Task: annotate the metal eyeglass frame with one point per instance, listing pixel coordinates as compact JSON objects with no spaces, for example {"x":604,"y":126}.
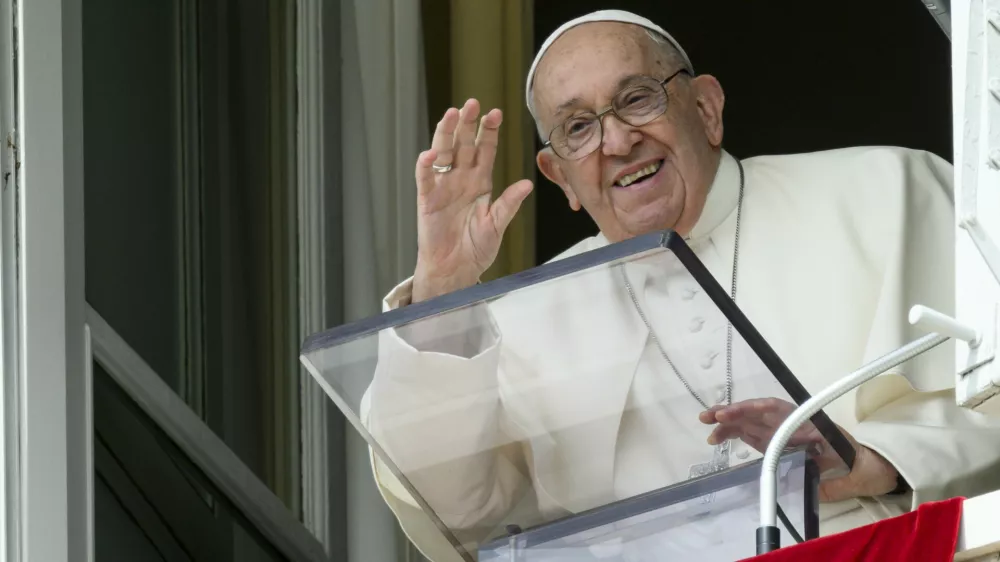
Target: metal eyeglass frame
{"x":599,"y":117}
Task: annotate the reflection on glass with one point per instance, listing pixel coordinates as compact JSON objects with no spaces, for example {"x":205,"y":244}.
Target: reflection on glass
{"x":705,"y":519}
{"x":491,"y":407}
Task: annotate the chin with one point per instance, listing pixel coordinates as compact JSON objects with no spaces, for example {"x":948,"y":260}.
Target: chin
{"x":653,"y":220}
{"x":660,"y":211}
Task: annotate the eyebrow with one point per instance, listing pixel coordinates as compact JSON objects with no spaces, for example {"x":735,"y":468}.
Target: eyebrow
{"x":622,"y":83}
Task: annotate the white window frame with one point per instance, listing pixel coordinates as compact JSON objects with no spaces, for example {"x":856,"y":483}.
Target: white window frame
{"x":48,"y":464}
{"x":8,"y":292}
{"x":975,"y":35}
{"x":45,"y":353}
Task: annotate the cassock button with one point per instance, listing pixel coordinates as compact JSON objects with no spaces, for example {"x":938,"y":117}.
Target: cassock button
{"x":696,"y":325}
{"x":720,"y":396}
{"x":709,"y":360}
{"x":742,"y":454}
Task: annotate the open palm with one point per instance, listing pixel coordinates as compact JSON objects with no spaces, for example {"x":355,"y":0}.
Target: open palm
{"x":459,"y":225}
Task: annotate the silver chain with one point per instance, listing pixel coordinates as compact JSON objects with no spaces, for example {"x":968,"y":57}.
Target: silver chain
{"x":729,"y":327}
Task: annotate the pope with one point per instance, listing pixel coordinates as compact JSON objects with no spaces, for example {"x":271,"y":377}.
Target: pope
{"x":824,"y":252}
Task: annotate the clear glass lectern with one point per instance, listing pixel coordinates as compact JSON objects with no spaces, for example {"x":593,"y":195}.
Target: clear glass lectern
{"x":559,"y":413}
{"x":707,"y":518}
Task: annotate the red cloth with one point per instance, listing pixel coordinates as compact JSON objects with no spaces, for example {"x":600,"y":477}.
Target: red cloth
{"x":929,"y":534}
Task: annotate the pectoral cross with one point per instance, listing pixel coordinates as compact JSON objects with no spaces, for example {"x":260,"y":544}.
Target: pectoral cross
{"x":719,"y":462}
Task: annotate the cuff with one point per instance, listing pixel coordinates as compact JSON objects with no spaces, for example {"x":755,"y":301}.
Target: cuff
{"x":399,"y":296}
{"x":466,"y":333}
{"x":940,"y":449}
{"x":879,"y":438}
{"x":902,"y":486}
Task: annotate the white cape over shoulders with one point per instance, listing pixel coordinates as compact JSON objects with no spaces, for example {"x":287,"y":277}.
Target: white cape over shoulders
{"x":834,"y":248}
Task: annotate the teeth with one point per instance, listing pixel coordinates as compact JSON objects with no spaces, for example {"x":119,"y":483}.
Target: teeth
{"x":625,"y":181}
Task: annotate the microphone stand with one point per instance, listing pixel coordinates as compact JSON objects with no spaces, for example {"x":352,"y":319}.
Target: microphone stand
{"x":768,"y":534}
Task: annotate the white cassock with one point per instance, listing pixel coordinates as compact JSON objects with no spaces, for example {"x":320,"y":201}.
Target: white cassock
{"x":561,"y":389}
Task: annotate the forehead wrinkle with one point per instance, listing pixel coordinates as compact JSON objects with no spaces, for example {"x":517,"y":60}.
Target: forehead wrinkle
{"x":630,"y":41}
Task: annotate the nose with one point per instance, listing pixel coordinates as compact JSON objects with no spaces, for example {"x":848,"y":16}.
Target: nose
{"x":619,"y":137}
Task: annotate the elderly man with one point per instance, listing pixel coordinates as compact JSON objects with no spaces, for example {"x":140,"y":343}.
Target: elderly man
{"x":831,"y":249}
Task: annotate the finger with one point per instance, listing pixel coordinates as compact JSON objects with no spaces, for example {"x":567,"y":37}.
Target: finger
{"x":764,"y":420}
{"x":724,"y":433}
{"x":709,"y":415}
{"x":424,"y":172}
{"x":808,"y":434}
{"x":505,"y":207}
{"x":740,"y":431}
{"x":774,"y":419}
{"x":736,"y":413}
{"x":464,"y":144}
{"x":444,"y":137}
{"x":487,"y":141}
{"x":772,"y":405}
{"x":757,"y":409}
{"x":773,"y":416}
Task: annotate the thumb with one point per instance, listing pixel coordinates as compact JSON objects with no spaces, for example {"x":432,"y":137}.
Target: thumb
{"x":506,"y":206}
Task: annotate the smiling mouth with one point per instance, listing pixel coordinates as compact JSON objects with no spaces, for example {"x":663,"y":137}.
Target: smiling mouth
{"x":640,"y":175}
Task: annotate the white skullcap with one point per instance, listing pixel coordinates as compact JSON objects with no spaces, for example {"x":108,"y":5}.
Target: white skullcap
{"x":601,"y":15}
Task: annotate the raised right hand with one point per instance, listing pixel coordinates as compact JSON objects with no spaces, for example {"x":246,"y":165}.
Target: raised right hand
{"x":459,"y":226}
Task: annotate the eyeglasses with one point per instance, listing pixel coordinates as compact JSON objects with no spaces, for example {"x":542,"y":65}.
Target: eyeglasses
{"x":636,"y":105}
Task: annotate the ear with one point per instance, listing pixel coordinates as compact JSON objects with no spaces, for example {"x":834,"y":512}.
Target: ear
{"x":711,"y":100}
{"x":551,"y":167}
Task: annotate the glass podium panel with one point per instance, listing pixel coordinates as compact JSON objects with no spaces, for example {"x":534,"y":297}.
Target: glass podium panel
{"x":713,"y":518}
{"x":547,"y":394}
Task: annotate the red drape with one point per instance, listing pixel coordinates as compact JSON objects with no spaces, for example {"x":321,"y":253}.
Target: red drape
{"x":928,"y":534}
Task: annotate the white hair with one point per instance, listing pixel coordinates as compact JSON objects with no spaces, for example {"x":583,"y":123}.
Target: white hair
{"x":666,"y":48}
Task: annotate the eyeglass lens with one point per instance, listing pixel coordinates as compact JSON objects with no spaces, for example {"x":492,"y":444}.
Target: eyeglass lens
{"x":635,"y":105}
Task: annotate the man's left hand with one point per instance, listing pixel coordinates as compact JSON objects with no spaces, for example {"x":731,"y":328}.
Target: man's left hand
{"x":755,"y":422}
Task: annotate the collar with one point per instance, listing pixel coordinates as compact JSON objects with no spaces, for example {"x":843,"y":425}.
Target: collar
{"x":723,"y":196}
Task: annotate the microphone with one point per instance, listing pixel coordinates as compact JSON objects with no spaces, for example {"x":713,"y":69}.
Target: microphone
{"x":768,"y":534}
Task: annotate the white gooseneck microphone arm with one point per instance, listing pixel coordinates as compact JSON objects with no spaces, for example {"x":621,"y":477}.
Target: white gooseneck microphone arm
{"x":768,"y":533}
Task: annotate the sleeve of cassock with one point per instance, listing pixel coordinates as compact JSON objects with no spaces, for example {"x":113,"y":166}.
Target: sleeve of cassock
{"x":941,"y":449}
{"x":434,"y":407}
